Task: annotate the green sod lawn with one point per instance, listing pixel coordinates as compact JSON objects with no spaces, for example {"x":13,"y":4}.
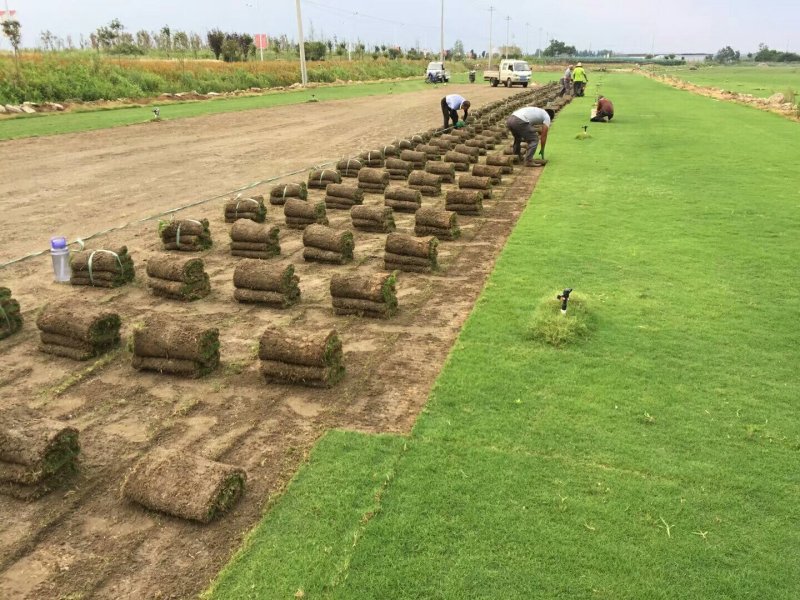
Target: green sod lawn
{"x":71,"y":122}
{"x":758,"y":81}
{"x":656,"y":458}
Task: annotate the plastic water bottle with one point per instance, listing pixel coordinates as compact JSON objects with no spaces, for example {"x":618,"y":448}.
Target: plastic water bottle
{"x":60,"y":255}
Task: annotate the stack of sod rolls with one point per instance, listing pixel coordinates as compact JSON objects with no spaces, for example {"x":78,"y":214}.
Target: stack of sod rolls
{"x":374,"y":219}
{"x":506,"y":163}
{"x":280,"y":193}
{"x":313,"y":359}
{"x":364,"y":295}
{"x":445,"y":170}
{"x":402,"y":199}
{"x":431,"y":152}
{"x":464,"y":202}
{"x":398,"y":169}
{"x":471,"y":182}
{"x":245,"y":208}
{"x":102,"y":268}
{"x":460,"y":161}
{"x":473,"y":153}
{"x":372,"y":158}
{"x":407,"y":253}
{"x":417,"y":159}
{"x":10,"y":317}
{"x":349,"y":167}
{"x":300,"y":213}
{"x":339,"y":195}
{"x":188,"y":235}
{"x":419,"y":138}
{"x":177,"y":347}
{"x":373,"y":181}
{"x":495,"y":174}
{"x":489,"y":141}
{"x":390,"y":150}
{"x":254,"y":240}
{"x":264,"y":283}
{"x":178,"y":278}
{"x":327,"y":245}
{"x":479,"y":144}
{"x":443,"y":224}
{"x":184,"y":485}
{"x":35,"y":455}
{"x":403,"y":145}
{"x":443,"y":144}
{"x":320,"y":178}
{"x":77,"y":332}
{"x":426,"y":183}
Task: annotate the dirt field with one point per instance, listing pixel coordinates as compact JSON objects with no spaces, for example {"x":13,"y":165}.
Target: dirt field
{"x":84,"y":540}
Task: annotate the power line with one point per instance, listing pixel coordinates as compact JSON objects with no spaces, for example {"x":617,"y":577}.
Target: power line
{"x":361,"y":15}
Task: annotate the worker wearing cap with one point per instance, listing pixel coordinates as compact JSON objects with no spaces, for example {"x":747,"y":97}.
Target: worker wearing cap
{"x":579,"y":79}
{"x":522,"y":125}
{"x":450,"y":105}
{"x":566,"y":81}
{"x":605,"y":110}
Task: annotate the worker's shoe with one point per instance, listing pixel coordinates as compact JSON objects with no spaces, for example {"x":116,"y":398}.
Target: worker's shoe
{"x":536,"y":162}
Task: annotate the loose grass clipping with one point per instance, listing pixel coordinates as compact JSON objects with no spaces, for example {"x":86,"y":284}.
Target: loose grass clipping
{"x":184,"y":485}
{"x":548,"y":325}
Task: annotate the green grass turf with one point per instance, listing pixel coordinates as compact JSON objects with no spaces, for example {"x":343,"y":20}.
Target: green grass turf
{"x":71,"y":122}
{"x":758,"y":81}
{"x":655,"y":459}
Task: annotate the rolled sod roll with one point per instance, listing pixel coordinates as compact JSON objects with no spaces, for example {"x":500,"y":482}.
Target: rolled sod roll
{"x":403,"y":145}
{"x":372,"y":188}
{"x":374,"y":176}
{"x":259,"y":254}
{"x":349,"y":167}
{"x":320,"y":178}
{"x":251,"y":236}
{"x":471,"y":182}
{"x":257,"y":275}
{"x":442,"y":144}
{"x":178,"y":278}
{"x":464,"y":202}
{"x":419,"y":138}
{"x":431,"y":152}
{"x":371,"y":295}
{"x":403,"y":199}
{"x":476,"y":143}
{"x":506,"y":163}
{"x":445,"y":170}
{"x":460,"y":161}
{"x":398,"y":168}
{"x":32,"y":451}
{"x":184,"y":485}
{"x":372,"y":155}
{"x":279,"y":193}
{"x":349,"y":192}
{"x":418,"y":159}
{"x":101,"y":268}
{"x":187,"y":235}
{"x":442,"y":224}
{"x":93,"y":331}
{"x":426,"y":183}
{"x":390,"y":150}
{"x":494,"y":174}
{"x":299,"y":213}
{"x":334,"y":244}
{"x":180,"y":348}
{"x":252,"y":208}
{"x":375,"y":219}
{"x":424,"y":249}
{"x":473,"y":153}
{"x":10,"y":316}
{"x":305,"y":358}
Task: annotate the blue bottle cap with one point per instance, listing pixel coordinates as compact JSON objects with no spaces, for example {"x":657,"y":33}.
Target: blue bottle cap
{"x":58,"y":243}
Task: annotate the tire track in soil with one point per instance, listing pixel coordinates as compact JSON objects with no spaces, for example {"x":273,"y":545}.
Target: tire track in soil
{"x":87,"y":540}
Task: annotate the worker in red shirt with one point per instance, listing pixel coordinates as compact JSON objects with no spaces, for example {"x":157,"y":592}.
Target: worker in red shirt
{"x":605,"y":110}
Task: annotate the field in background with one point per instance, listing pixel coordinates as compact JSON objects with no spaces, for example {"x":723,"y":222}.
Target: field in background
{"x":655,"y":459}
{"x":758,"y":81}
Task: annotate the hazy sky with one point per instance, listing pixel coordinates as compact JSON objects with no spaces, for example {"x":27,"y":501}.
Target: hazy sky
{"x":679,"y":26}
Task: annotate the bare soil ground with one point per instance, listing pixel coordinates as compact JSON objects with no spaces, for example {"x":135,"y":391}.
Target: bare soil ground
{"x":84,"y":540}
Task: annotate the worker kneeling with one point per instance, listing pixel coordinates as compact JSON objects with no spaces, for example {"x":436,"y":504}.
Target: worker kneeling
{"x":605,"y":110}
{"x":522,"y":125}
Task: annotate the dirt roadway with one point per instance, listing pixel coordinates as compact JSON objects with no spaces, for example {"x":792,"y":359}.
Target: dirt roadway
{"x":84,"y":541}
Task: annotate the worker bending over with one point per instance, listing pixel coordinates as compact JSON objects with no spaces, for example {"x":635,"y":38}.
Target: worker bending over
{"x":450,"y":105}
{"x":605,"y":110}
{"x":522,"y":125}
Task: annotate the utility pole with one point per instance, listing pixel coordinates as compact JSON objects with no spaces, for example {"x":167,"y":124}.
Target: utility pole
{"x":508,"y":27}
{"x":441,"y":39}
{"x":303,"y":72}
{"x":540,"y":42}
{"x":491,"y":14}
{"x":527,"y":35}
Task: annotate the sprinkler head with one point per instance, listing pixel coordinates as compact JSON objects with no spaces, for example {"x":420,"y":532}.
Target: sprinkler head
{"x":564,"y":297}
{"x":156,"y":112}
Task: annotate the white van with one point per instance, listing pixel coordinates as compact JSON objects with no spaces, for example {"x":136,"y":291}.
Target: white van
{"x":511,"y":72}
{"x":436,"y":73}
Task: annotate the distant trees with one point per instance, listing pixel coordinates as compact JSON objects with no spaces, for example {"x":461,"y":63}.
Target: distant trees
{"x":765,"y":54}
{"x":315,"y":50}
{"x":727,"y":55}
{"x":559,"y":48}
{"x":13,"y":31}
{"x":457,"y":52}
{"x":215,"y":39}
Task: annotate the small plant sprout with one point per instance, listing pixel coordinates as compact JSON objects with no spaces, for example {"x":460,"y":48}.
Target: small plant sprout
{"x":564,"y":297}
{"x":701,"y":534}
{"x":666,"y":526}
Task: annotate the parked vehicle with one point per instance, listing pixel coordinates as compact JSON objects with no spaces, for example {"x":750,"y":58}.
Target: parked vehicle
{"x":510,"y":72}
{"x":436,"y":73}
